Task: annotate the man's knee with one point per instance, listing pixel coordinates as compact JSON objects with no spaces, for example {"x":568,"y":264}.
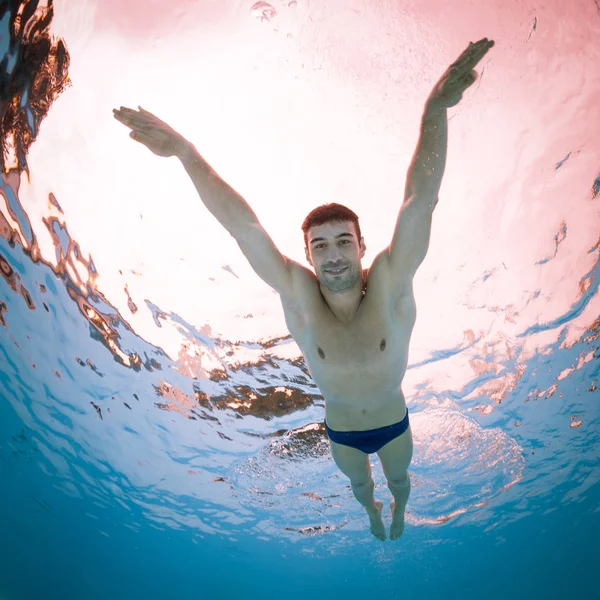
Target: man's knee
{"x":361,"y":482}
{"x":400,"y":482}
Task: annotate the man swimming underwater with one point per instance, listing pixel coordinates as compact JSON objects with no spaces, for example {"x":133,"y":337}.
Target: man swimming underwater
{"x":352,"y":325}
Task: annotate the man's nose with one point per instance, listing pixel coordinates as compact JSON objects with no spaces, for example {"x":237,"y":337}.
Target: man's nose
{"x":334,"y":254}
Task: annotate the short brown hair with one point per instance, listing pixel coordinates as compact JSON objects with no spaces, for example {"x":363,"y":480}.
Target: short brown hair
{"x":327,"y":213}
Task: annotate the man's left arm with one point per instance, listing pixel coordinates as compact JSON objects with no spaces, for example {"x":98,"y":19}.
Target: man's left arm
{"x":410,"y":241}
{"x":426,"y":170}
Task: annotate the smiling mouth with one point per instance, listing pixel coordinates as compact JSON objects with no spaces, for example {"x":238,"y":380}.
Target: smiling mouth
{"x":336,"y":271}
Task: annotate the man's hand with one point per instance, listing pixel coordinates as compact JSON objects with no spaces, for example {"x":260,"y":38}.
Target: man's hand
{"x":152,"y":132}
{"x":460,"y":75}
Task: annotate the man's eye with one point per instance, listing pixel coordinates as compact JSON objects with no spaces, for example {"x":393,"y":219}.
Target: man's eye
{"x":343,"y":242}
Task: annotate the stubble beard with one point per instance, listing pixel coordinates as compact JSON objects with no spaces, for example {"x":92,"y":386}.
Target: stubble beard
{"x":339,"y":283}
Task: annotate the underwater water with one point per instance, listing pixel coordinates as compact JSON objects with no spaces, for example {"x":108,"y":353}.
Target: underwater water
{"x":160,"y":434}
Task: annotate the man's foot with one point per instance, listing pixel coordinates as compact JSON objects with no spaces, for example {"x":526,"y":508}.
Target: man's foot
{"x":377,"y":526}
{"x":397,"y":527}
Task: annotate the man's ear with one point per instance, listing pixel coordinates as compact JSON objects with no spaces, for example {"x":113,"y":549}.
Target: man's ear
{"x":307,"y":255}
{"x":363,"y":247}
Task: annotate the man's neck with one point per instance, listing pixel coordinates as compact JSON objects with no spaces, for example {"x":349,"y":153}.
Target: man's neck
{"x":345,"y":306}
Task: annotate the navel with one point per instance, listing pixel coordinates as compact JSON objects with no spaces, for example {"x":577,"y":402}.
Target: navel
{"x":382,"y":345}
{"x":321,"y":353}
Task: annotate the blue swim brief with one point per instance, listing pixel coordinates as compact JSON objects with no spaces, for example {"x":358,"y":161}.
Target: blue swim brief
{"x":371,"y":440}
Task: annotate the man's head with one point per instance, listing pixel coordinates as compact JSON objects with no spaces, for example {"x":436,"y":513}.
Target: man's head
{"x":332,"y":239}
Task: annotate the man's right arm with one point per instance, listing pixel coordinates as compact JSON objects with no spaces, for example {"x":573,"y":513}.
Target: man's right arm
{"x":236,"y":215}
{"x":226,"y":205}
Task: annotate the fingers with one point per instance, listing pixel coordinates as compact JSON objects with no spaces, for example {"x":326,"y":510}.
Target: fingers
{"x":144,"y":111}
{"x":134,"y":113}
{"x":470,"y":58}
{"x":124,"y":115}
{"x":131,"y":113}
{"x":139,"y":121}
{"x":132,"y":118}
{"x":473,"y":54}
{"x":141,"y":137}
{"x":123,"y":118}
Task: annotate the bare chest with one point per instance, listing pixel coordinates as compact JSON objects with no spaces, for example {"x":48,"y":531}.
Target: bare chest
{"x":358,"y":366}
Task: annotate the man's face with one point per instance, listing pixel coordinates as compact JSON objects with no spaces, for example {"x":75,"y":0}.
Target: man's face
{"x":334,"y":246}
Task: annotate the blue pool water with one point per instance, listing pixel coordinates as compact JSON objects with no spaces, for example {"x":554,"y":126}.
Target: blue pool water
{"x":133,"y":470}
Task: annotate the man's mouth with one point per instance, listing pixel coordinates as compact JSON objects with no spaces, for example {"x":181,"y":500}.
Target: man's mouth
{"x":336,"y":271}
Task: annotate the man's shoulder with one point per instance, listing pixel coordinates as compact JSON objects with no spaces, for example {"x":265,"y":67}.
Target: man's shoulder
{"x":306,"y":295}
{"x":304,"y":290}
{"x":383,"y":281}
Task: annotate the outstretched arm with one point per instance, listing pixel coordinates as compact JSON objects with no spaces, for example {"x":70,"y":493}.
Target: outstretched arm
{"x":426,"y":170}
{"x":413,"y":227}
{"x":227,"y":206}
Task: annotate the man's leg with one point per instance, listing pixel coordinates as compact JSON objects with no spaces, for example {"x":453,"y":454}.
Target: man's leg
{"x":355,"y":465}
{"x":395,"y":458}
